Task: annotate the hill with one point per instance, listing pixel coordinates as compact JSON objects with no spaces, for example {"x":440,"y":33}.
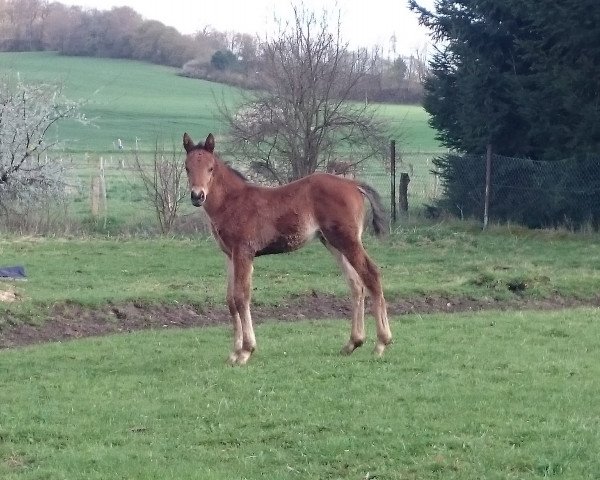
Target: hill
{"x":124,"y":99}
{"x":134,"y":100}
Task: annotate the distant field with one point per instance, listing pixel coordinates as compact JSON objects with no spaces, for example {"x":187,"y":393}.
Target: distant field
{"x":124,"y":99}
{"x":128,"y":99}
{"x":143,"y":104}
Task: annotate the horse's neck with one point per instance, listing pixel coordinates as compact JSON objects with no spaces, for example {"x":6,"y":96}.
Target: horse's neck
{"x":225,"y":185}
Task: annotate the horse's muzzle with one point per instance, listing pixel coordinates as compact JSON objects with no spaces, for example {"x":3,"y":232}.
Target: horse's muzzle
{"x":198,"y":198}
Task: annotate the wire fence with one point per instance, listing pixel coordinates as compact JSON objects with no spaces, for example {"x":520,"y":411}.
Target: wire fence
{"x":427,"y":184}
{"x":533,"y":193}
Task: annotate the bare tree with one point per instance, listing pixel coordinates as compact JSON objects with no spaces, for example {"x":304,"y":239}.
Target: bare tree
{"x":29,"y":168}
{"x":302,"y":119}
{"x":164,"y":184}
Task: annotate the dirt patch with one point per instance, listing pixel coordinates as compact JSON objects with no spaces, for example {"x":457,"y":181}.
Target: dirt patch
{"x":69,"y":321}
{"x":8,"y":296}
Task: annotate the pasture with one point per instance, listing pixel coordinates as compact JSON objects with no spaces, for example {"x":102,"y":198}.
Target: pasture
{"x":148,"y":105}
{"x":496,"y":394}
{"x":508,"y":392}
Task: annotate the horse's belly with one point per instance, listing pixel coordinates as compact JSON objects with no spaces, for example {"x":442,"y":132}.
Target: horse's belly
{"x":283,"y":244}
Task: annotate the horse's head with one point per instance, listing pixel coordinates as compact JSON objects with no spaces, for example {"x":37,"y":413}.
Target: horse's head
{"x":200,"y":165}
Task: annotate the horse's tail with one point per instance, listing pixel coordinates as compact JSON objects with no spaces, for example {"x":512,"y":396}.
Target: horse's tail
{"x":381,"y":224}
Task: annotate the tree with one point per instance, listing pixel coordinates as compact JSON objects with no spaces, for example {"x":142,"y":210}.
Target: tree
{"x":472,"y":92}
{"x":563,"y":103}
{"x":28,"y":169}
{"x":509,"y":78}
{"x":21,"y":23}
{"x":302,"y":118}
{"x":224,"y":60}
{"x":508,"y":73}
{"x":164,"y":184}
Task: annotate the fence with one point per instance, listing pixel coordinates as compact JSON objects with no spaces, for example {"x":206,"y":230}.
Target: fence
{"x":533,"y":193}
{"x":414,"y":183}
{"x":489,"y":187}
{"x":407,"y":181}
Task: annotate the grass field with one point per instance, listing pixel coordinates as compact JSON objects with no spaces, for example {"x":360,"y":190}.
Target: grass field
{"x":143,"y":104}
{"x":127,"y":99}
{"x":487,"y":395}
{"x":123,"y":99}
{"x":445,"y":259}
{"x":494,"y":395}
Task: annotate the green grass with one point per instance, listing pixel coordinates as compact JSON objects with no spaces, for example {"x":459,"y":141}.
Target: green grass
{"x":409,"y":126}
{"x":494,"y":395}
{"x":489,"y":395}
{"x":124,"y":99}
{"x":447,"y":260}
{"x":130,"y":100}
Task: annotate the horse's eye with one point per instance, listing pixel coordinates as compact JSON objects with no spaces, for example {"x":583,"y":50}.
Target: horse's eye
{"x":211,"y":169}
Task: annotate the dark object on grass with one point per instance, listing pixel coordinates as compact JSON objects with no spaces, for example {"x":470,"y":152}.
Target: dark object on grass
{"x":13,"y":273}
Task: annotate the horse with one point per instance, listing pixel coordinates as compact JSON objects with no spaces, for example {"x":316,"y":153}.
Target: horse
{"x":249,"y":220}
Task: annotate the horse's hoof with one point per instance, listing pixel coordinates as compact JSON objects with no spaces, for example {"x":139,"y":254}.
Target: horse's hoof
{"x":379,"y":349}
{"x":348,"y":349}
{"x":243,"y":357}
{"x":232,"y":358}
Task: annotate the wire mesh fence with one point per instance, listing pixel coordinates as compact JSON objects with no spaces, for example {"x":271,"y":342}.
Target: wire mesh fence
{"x":419,"y":184}
{"x":532,"y":193}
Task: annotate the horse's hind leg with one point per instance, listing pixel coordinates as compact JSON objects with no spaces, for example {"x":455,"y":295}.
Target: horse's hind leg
{"x":236,"y":322}
{"x":357,"y":290}
{"x":351,"y":248}
{"x":370,"y":276}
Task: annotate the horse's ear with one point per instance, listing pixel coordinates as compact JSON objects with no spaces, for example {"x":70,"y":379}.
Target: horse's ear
{"x":188,"y":143}
{"x":209,"y":145}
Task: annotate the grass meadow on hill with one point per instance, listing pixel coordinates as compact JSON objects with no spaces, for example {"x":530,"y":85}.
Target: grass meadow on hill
{"x":123,"y":99}
{"x":145,"y":105}
{"x":128,"y":99}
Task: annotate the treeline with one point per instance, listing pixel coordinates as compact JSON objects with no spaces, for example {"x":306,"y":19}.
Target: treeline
{"x":35,"y":25}
{"x":232,"y":58}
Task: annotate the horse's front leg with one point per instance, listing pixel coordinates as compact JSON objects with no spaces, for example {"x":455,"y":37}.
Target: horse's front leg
{"x":242,"y":286}
{"x":235,"y":315}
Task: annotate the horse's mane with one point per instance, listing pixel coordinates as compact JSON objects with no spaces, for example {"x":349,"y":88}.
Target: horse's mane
{"x":236,"y":172}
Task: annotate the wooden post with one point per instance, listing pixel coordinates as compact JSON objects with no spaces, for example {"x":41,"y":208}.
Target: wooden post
{"x":403,"y":192}
{"x":95,"y":195}
{"x":488,"y":178}
{"x":103,"y":191}
{"x":98,"y":193}
{"x":393,"y":178}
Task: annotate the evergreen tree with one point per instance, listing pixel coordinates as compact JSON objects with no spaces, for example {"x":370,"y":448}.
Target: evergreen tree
{"x":563,"y":90}
{"x":472,"y":92}
{"x":521,"y":76}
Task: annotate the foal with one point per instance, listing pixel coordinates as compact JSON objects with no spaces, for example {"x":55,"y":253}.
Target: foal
{"x":249,"y":220}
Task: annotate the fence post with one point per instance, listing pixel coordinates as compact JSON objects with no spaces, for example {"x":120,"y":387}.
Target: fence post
{"x":488,"y":177}
{"x":403,"y":192}
{"x":393,"y":179}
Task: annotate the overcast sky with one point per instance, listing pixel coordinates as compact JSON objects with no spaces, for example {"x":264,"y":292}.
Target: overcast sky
{"x":365,"y":23}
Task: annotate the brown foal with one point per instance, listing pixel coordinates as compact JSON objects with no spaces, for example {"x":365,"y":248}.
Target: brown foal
{"x":249,"y":220}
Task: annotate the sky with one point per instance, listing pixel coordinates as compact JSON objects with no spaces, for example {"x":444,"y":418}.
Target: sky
{"x":364,"y":23}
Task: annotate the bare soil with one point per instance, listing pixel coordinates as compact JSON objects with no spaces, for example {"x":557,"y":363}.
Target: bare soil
{"x":70,"y":321}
